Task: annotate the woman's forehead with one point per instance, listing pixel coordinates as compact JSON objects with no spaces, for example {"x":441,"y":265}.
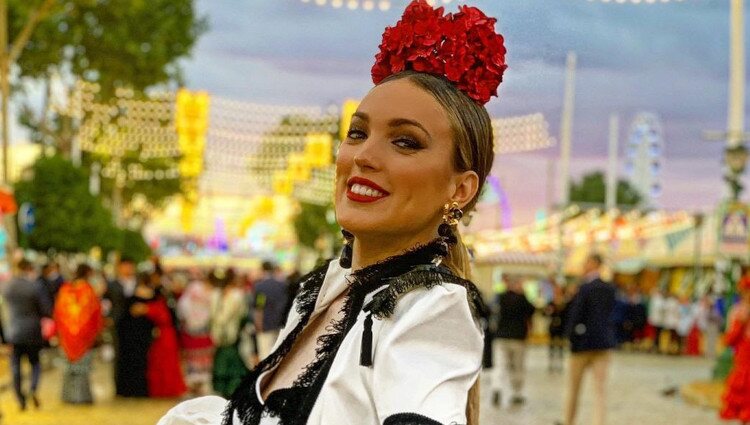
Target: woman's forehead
{"x":402,"y":99}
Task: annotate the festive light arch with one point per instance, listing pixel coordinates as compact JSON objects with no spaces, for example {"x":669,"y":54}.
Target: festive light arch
{"x":369,"y":5}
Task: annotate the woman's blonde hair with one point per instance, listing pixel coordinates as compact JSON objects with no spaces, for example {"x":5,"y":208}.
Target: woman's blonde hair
{"x":474,"y":150}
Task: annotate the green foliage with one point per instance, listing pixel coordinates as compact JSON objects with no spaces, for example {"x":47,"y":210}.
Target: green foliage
{"x":116,"y":43}
{"x":68,"y":218}
{"x":312,"y":223}
{"x":592,"y":189}
{"x":134,"y":246}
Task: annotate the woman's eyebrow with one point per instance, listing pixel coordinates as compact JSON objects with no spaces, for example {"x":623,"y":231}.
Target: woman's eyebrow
{"x":396,"y":122}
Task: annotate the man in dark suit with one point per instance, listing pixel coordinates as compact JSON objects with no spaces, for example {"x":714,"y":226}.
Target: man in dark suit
{"x":592,"y":337}
{"x":27,"y":302}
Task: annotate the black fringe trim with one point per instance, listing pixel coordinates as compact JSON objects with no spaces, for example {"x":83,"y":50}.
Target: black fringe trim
{"x":293,"y":405}
{"x":427,"y":276}
{"x":409,"y":419}
{"x":243,"y":400}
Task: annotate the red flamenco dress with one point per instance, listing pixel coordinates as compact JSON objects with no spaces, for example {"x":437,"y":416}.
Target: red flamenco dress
{"x":164,"y":374}
{"x":736,"y":399}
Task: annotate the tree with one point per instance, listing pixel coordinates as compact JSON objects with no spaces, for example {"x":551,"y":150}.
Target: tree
{"x":592,"y":189}
{"x":312,"y":223}
{"x":67,"y":217}
{"x":117,"y":44}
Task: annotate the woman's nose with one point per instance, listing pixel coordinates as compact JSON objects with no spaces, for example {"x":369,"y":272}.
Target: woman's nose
{"x":368,"y":155}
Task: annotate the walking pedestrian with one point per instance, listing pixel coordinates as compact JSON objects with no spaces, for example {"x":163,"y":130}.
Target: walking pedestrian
{"x":592,"y":337}
{"x":28,"y":303}
{"x":513,"y":323}
{"x":270,"y":308}
{"x":736,"y":398}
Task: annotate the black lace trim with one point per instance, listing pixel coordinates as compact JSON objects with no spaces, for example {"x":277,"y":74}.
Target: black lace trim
{"x":409,"y":419}
{"x":427,"y":276}
{"x":244,"y":400}
{"x":293,"y":406}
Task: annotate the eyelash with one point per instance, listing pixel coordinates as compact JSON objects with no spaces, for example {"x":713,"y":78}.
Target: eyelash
{"x":401,"y":142}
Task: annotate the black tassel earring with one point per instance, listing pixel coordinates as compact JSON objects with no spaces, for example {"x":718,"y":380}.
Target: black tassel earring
{"x":451,"y":216}
{"x":345,"y":260}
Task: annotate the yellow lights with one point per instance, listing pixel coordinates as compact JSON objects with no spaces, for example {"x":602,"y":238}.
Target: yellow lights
{"x":347,"y":110}
{"x":318,"y":149}
{"x":191,"y":123}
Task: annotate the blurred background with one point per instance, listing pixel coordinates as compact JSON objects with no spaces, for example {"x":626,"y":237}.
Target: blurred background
{"x":195,"y":139}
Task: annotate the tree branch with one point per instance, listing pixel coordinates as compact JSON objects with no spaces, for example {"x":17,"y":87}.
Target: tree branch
{"x":23,"y":37}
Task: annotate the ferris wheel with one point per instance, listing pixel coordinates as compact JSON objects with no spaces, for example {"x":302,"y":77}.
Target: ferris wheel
{"x":644,"y":155}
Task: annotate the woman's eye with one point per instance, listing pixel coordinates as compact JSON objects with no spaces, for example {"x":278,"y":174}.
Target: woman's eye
{"x":356,"y":134}
{"x":407,"y":143}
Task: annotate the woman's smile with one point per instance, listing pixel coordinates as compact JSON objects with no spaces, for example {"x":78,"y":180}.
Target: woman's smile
{"x":362,"y":190}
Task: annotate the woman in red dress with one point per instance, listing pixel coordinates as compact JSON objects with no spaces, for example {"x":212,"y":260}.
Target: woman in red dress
{"x":737,"y":394}
{"x":163,"y":373}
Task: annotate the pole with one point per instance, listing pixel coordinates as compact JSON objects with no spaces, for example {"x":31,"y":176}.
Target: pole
{"x":614,"y":134}
{"x":736,"y":112}
{"x":4,"y":84}
{"x":566,"y":128}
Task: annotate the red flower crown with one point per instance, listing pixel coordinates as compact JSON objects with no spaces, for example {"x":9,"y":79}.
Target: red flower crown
{"x":462,"y":47}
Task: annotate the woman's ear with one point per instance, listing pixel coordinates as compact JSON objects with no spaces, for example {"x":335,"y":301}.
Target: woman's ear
{"x":466,"y":186}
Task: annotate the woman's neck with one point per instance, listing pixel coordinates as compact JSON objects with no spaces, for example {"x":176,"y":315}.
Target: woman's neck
{"x":370,"y":250}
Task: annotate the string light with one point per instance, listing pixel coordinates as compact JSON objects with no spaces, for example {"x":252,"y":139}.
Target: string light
{"x":369,"y":5}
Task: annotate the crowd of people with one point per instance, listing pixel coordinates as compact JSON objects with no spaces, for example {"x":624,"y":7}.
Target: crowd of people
{"x":195,"y":332}
{"x":593,"y":317}
{"x":178,"y":334}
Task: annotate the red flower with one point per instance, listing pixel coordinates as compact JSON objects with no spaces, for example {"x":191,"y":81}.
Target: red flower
{"x":462,"y":47}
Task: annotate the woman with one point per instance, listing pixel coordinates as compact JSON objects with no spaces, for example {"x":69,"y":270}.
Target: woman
{"x":163,"y":371}
{"x":194,"y":311}
{"x":78,"y":316}
{"x":736,"y":397}
{"x":228,"y":318}
{"x":389,"y":334}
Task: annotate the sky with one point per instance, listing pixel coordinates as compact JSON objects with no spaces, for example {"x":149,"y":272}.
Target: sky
{"x":670,"y":59}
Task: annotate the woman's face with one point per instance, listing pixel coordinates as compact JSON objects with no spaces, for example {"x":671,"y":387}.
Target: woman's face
{"x":394,"y":171}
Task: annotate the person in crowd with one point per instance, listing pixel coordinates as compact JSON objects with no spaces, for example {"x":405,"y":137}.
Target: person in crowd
{"x":513,"y":323}
{"x":592,"y":337}
{"x":163,"y":370}
{"x":657,"y":317}
{"x":736,"y":397}
{"x":292,"y":289}
{"x":672,"y":323}
{"x":686,"y":323}
{"x":28,"y":303}
{"x":638,"y":313}
{"x":414,"y":161}
{"x":228,"y":318}
{"x":271,"y":298}
{"x":78,"y":316}
{"x":134,"y":332}
{"x":194,"y":313}
{"x":709,"y":321}
{"x":51,"y":279}
{"x":556,"y":311}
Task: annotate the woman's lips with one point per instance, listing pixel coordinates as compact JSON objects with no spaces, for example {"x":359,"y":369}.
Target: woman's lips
{"x":362,"y":190}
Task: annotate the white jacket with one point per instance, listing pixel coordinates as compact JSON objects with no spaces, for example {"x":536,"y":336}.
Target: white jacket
{"x":426,"y":356}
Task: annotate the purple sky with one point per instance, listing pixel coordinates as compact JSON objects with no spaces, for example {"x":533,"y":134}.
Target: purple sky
{"x":670,"y":59}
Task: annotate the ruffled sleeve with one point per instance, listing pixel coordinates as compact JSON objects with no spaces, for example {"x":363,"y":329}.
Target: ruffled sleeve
{"x":427,"y":356}
{"x":198,"y":411}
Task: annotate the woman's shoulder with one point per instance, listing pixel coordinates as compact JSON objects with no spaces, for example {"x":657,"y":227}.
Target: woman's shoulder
{"x":207,"y":410}
{"x":429,"y":286}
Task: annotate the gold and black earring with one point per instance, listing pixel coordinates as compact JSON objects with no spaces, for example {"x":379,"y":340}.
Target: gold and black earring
{"x":345,"y":260}
{"x":451,"y":216}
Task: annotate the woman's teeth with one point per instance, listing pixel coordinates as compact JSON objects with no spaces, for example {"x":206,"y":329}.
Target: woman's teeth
{"x":366,"y":191}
